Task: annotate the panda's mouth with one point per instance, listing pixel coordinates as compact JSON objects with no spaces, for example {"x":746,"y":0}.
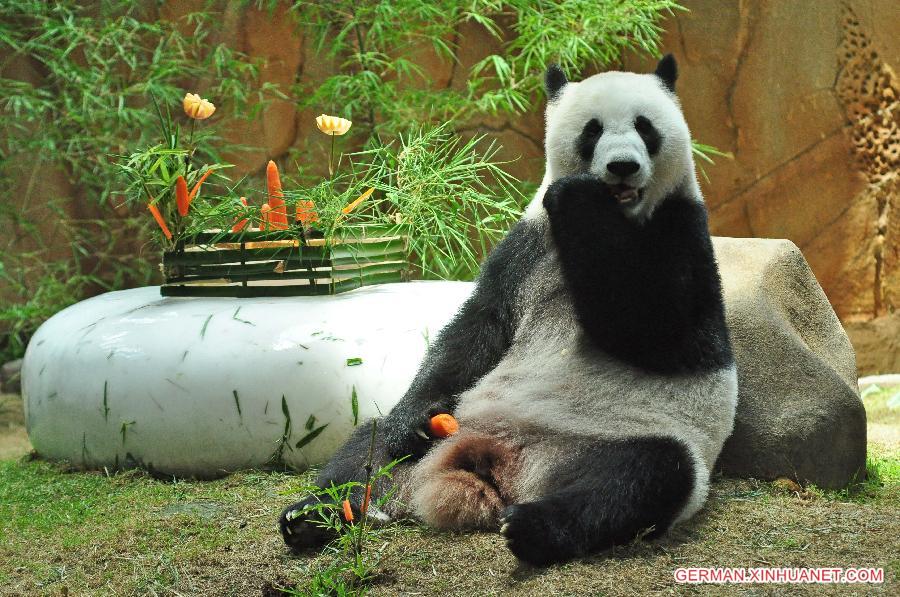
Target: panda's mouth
{"x":626,"y":194}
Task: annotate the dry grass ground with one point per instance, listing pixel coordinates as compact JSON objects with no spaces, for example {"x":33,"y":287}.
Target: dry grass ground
{"x":75,"y":533}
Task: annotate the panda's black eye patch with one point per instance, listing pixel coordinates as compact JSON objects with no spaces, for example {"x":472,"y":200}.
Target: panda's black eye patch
{"x":593,"y":128}
{"x":592,"y":131}
{"x":651,"y":137}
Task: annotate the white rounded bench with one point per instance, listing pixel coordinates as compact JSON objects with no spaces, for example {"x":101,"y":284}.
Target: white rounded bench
{"x":203,"y":386}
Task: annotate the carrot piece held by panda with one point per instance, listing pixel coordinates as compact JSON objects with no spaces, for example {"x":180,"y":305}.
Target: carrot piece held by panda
{"x":442,"y":425}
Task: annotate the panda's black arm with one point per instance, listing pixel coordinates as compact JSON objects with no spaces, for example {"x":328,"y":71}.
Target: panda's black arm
{"x":470,"y":345}
{"x":648,"y":293}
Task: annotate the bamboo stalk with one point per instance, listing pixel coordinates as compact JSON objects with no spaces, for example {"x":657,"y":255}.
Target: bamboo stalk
{"x":238,"y":275}
{"x":238,"y":290}
{"x":311,"y":255}
{"x":362,"y":234}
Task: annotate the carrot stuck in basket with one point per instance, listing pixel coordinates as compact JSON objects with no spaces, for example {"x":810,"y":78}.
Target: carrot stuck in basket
{"x":306,"y":212}
{"x":442,"y":425}
{"x":196,"y":188}
{"x":240,"y":224}
{"x":181,"y":196}
{"x":265,"y":214}
{"x":278,"y":217}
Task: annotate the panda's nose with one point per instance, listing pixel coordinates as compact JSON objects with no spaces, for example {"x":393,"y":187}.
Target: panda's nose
{"x":623,"y":169}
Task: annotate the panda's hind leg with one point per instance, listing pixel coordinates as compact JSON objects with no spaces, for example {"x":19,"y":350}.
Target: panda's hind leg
{"x":608,"y":495}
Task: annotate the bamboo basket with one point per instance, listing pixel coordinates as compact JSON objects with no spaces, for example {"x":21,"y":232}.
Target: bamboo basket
{"x":255,"y":263}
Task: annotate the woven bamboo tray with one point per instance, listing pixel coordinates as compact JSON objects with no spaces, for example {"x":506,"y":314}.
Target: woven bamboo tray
{"x":255,"y":263}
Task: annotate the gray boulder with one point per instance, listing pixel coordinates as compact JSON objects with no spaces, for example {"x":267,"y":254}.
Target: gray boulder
{"x":799,"y":413}
{"x":10,"y":373}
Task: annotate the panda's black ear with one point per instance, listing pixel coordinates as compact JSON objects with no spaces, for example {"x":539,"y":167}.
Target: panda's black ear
{"x":667,"y":70}
{"x":554,"y":81}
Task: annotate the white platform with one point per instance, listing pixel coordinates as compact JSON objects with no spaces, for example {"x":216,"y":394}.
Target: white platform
{"x":194,"y":386}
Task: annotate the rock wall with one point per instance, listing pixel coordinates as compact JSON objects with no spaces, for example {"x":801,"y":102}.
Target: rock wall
{"x":803,"y":94}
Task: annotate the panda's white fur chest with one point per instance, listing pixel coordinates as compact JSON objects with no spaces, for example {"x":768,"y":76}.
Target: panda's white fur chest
{"x":553,"y":383}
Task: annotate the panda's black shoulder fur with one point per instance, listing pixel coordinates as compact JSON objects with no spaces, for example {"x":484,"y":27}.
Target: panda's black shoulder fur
{"x":472,"y":344}
{"x":483,"y":329}
{"x":648,"y":293}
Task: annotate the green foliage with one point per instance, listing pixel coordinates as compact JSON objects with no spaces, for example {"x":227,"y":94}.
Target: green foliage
{"x":882,"y":479}
{"x":451,"y":197}
{"x":576,"y":34}
{"x":96,"y":65}
{"x":99,"y":65}
{"x":57,"y":529}
{"x":454,"y":212}
{"x":150,"y":174}
{"x":705,"y":154}
{"x":882,"y":469}
{"x":375,"y":44}
{"x":56,"y":291}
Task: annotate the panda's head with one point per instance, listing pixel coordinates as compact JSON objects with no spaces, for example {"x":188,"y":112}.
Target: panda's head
{"x":624,"y":128}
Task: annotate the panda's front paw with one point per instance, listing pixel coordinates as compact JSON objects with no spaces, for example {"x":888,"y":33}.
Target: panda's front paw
{"x":576,"y":195}
{"x":406,"y":434}
{"x":302,"y":526}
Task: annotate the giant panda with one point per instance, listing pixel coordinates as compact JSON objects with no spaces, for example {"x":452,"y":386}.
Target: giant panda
{"x":591,"y":370}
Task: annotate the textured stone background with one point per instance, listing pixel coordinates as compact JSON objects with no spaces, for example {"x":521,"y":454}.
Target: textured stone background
{"x":803,"y":93}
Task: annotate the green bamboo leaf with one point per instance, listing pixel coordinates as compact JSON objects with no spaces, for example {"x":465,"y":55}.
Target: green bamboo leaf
{"x":237,"y":402}
{"x":105,"y":403}
{"x":205,"y":324}
{"x":310,"y":436}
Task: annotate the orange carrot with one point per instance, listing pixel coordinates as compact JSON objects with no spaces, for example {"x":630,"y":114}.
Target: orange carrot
{"x":443,"y":425}
{"x":196,"y":188}
{"x":181,"y":196}
{"x":352,"y":205}
{"x":159,"y":219}
{"x":265,"y":212}
{"x":348,"y":512}
{"x":240,"y":224}
{"x":365,"y":504}
{"x":276,"y":196}
{"x":306,"y":212}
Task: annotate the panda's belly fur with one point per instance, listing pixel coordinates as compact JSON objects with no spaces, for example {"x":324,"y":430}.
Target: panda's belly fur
{"x":553,"y":395}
